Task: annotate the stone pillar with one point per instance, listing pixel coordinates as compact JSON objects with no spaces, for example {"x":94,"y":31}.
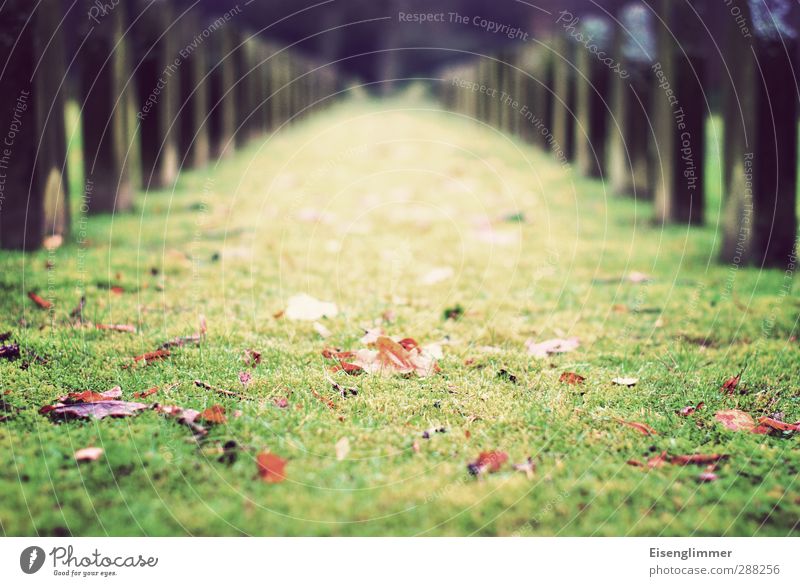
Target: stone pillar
{"x":33,"y":186}
{"x":679,"y":113}
{"x":222,"y":77}
{"x":629,"y":151}
{"x":157,"y":71}
{"x":592,"y":102}
{"x":760,"y":153}
{"x":193,"y":136}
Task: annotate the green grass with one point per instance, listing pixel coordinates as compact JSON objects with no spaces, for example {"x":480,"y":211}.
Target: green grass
{"x":403,"y":184}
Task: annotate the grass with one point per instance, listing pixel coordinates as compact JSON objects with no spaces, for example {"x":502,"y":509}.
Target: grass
{"x":399,"y":187}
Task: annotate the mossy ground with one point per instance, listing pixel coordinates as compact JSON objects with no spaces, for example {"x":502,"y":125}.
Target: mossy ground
{"x":397,"y":189}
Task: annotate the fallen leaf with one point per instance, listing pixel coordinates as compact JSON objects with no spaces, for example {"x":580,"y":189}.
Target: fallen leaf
{"x":637,"y":277}
{"x":390,"y":357}
{"x":487,"y":462}
{"x":252,"y":358}
{"x":150,"y":357}
{"x":453,"y":313}
{"x":735,"y":420}
{"x":625,"y":382}
{"x":92,"y":396}
{"x":642,"y":428}
{"x":548,"y":347}
{"x":9,"y":352}
{"x":306,"y":308}
{"x":185,"y":417}
{"x":5,"y":336}
{"x":271,"y":467}
{"x":98,"y":410}
{"x":41,"y":303}
{"x":147,"y":393}
{"x":571,"y":378}
{"x":245,"y":378}
{"x":281,"y":402}
{"x":688,"y":410}
{"x":779,"y":425}
{"x":117,"y":327}
{"x":729,"y":386}
{"x":214,"y":415}
{"x":699,"y":459}
{"x":708,"y":474}
{"x":342,"y":448}
{"x":88,"y":454}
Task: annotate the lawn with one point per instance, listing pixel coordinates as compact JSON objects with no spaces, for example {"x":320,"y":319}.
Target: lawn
{"x":397,"y":212}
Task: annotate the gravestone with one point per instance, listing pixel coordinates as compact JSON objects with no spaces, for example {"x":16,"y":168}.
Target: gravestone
{"x":33,"y":185}
{"x":679,"y":112}
{"x":760,"y":149}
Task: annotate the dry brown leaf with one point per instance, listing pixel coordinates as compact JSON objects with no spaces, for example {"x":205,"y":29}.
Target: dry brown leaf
{"x":271,"y":467}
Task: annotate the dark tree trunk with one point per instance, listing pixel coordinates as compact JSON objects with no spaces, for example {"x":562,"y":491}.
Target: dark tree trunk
{"x":193,"y":135}
{"x":33,"y":186}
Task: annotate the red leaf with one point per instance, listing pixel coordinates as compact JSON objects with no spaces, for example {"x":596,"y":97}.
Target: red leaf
{"x":252,"y":358}
{"x":487,"y":462}
{"x":214,"y":414}
{"x":640,"y":427}
{"x":688,"y":410}
{"x":699,"y":459}
{"x":735,"y":420}
{"x":42,"y":303}
{"x":571,"y":378}
{"x":729,"y":386}
{"x":147,"y":393}
{"x":149,"y":357}
{"x":779,"y":425}
{"x":271,"y":467}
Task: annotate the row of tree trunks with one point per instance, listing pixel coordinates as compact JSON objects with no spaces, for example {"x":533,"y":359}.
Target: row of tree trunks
{"x":33,"y":185}
{"x":627,"y":102}
{"x":159,"y":88}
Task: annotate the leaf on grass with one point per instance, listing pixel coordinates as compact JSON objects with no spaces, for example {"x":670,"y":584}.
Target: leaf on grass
{"x":271,"y":467}
{"x":453,"y":313}
{"x":548,"y":347}
{"x":252,"y":358}
{"x":625,"y":381}
{"x":245,"y":378}
{"x":487,"y":462}
{"x":147,"y":393}
{"x":571,"y":378}
{"x":778,"y":425}
{"x":735,"y":420}
{"x":388,"y":357}
{"x":5,"y":336}
{"x":150,"y":357}
{"x":88,"y":454}
{"x":342,"y":448}
{"x":729,"y":386}
{"x":698,"y":459}
{"x":117,"y":327}
{"x":98,"y":410}
{"x":689,"y":409}
{"x":281,"y":402}
{"x":10,"y":351}
{"x":642,"y":428}
{"x":637,"y":277}
{"x":341,"y":389}
{"x":185,"y":417}
{"x":214,"y":415}
{"x":41,"y":303}
{"x":306,"y":308}
{"x":92,"y":396}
